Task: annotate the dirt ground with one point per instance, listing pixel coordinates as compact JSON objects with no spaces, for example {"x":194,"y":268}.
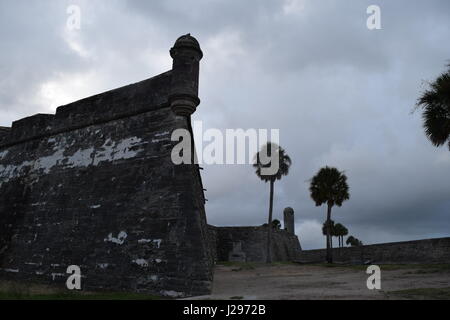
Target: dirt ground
{"x":285,"y":281}
{"x":296,"y":281}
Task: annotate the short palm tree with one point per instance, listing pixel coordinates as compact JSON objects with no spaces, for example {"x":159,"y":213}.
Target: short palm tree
{"x":276,"y":224}
{"x":332,"y":231}
{"x":329,"y":186}
{"x":350,"y":241}
{"x":354,"y":242}
{"x":337,"y":233}
{"x":343,"y":234}
{"x":271,"y":151}
{"x":435,"y":103}
{"x":340,"y":231}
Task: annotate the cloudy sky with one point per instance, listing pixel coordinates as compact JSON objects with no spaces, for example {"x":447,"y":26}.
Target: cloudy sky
{"x":342,"y":95}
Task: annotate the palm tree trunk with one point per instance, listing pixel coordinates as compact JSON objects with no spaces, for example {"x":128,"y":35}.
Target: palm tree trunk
{"x":329,"y":253}
{"x":269,"y":230}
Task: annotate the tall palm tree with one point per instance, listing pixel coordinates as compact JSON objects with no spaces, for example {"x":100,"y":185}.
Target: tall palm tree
{"x":271,"y":151}
{"x":435,"y":103}
{"x":329,"y":186}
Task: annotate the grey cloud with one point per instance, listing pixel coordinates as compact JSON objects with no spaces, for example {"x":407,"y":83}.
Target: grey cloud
{"x":340,"y":94}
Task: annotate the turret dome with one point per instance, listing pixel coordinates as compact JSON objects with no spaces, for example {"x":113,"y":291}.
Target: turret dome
{"x":186,"y":42}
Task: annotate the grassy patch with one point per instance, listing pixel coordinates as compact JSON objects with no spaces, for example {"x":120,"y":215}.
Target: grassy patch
{"x":78,"y":296}
{"x":417,"y":268}
{"x":340,"y":265}
{"x":19,"y":291}
{"x":422,"y":294}
{"x":430,"y":268}
{"x":252,"y":265}
{"x":284,"y":263}
{"x":239,"y":265}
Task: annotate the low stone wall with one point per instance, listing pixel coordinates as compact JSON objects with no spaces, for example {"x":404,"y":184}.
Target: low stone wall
{"x":252,"y":243}
{"x":418,"y":251}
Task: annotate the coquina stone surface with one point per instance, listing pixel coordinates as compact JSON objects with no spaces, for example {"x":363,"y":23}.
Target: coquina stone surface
{"x":94,"y":186}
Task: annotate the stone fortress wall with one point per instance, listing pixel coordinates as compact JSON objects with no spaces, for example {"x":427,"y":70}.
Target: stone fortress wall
{"x":94,"y":186}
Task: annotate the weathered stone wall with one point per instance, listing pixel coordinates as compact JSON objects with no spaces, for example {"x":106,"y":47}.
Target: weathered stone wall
{"x":94,"y":186}
{"x":285,"y":246}
{"x":419,"y":251}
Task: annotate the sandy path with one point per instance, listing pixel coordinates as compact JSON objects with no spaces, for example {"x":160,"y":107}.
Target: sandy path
{"x":316,"y":282}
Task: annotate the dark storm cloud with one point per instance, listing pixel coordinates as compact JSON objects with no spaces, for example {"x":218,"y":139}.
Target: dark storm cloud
{"x":340,"y":94}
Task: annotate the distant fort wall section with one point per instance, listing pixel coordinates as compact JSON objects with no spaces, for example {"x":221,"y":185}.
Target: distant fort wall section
{"x":249,"y":244}
{"x":418,"y":251}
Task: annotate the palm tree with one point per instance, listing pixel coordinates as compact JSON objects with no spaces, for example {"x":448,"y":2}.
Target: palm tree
{"x":435,"y":103}
{"x":343,"y":234}
{"x":354,"y":242}
{"x":276,"y":224}
{"x":350,"y":241}
{"x":271,"y":151}
{"x":329,"y":186}
{"x":332,"y":231}
{"x":340,"y":231}
{"x":337,"y":233}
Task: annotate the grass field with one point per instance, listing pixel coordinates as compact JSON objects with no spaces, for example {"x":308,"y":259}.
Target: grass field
{"x":14,"y":291}
{"x":421,"y":294}
{"x":411,"y":268}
